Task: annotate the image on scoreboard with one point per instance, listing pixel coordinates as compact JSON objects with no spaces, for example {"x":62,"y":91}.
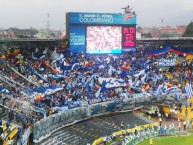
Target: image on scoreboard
{"x":103,"y":39}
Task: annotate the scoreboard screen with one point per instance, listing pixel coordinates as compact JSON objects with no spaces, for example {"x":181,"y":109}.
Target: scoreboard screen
{"x":109,"y":39}
{"x":101,"y":33}
{"x":103,"y":39}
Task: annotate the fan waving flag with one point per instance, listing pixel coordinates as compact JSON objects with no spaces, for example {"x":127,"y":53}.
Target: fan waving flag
{"x":188,"y":89}
{"x":86,"y":63}
{"x":16,"y":52}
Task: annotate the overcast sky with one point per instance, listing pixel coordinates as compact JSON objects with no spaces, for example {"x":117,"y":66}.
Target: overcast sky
{"x":32,"y":13}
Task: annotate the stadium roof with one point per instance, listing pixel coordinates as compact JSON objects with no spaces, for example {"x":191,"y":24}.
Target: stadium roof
{"x":167,"y":38}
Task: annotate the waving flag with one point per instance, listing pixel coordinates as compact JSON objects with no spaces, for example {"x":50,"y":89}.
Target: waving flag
{"x":3,"y":57}
{"x":86,"y":63}
{"x":34,"y":73}
{"x":47,"y":90}
{"x":98,"y":92}
{"x":169,"y":90}
{"x":36,"y":109}
{"x":125,"y":67}
{"x":3,"y":89}
{"x":188,"y":89}
{"x":75,"y":65}
{"x":112,"y":82}
{"x":169,"y":85}
{"x":143,"y":78}
{"x":16,"y":52}
{"x":140,"y":73}
{"x":130,"y":92}
{"x":108,"y":59}
{"x":46,"y":63}
{"x":65,"y":66}
{"x":8,"y":53}
{"x":147,"y":86}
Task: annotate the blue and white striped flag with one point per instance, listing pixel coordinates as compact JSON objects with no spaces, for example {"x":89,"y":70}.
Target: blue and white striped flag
{"x":188,"y":89}
{"x":169,"y":90}
{"x":64,"y":108}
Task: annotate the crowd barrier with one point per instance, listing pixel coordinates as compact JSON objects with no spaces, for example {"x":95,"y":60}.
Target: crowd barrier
{"x":43,"y":128}
{"x":24,"y":137}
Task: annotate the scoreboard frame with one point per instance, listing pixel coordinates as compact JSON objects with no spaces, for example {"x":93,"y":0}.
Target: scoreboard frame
{"x":77,"y":23}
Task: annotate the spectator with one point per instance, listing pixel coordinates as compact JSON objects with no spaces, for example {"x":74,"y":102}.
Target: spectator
{"x":1,"y":122}
{"x":3,"y":136}
{"x":10,"y":141}
{"x":166,"y":115}
{"x":73,"y":81}
{"x":105,"y":140}
{"x":122,"y":125}
{"x":184,"y":125}
{"x":150,"y":141}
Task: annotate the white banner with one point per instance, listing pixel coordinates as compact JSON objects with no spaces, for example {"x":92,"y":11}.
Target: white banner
{"x":139,"y":73}
{"x":112,"y":82}
{"x":138,"y":95}
{"x":166,"y":62}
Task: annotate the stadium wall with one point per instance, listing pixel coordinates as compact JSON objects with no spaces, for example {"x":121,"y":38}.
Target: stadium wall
{"x":45,"y":127}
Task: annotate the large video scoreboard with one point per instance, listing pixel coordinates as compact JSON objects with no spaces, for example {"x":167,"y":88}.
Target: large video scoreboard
{"x":101,"y":33}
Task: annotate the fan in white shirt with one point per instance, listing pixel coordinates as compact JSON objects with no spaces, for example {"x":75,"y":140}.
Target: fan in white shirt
{"x":3,"y":136}
{"x":9,"y":142}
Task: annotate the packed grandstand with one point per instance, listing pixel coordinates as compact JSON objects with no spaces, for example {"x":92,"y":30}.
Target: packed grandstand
{"x":47,"y":89}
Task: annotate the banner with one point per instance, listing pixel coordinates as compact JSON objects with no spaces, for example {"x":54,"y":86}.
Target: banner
{"x":132,"y":72}
{"x":29,"y":68}
{"x":36,"y":109}
{"x":138,"y":95}
{"x":166,"y":62}
{"x":185,"y":64}
{"x":47,"y":90}
{"x":101,"y":18}
{"x":3,"y":89}
{"x":77,"y":39}
{"x":112,"y":82}
{"x":171,"y":90}
{"x":139,"y":73}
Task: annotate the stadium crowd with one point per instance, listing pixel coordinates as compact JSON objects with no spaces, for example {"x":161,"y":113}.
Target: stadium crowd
{"x":56,"y":80}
